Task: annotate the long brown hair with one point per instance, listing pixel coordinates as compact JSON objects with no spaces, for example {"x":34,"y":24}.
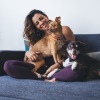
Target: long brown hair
{"x":30,"y":31}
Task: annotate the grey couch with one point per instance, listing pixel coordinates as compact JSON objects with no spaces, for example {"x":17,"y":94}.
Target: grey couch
{"x":27,"y":89}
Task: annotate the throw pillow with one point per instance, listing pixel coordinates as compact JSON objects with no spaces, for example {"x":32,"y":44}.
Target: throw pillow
{"x":95,"y":55}
{"x":26,"y":45}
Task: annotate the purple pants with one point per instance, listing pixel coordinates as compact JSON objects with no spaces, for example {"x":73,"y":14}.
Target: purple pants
{"x":22,"y":70}
{"x":68,"y":75}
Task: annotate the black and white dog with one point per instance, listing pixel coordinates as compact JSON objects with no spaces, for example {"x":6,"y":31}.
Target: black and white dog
{"x":79,"y":60}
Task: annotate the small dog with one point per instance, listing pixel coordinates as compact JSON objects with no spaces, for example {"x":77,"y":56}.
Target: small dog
{"x":49,"y":45}
{"x":79,"y":60}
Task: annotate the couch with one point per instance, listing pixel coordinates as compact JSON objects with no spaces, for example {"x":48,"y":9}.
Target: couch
{"x":28,"y":89}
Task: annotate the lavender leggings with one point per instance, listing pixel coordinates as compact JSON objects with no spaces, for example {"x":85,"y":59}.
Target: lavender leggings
{"x":22,"y":70}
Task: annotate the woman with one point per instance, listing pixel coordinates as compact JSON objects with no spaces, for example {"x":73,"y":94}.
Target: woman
{"x":36,"y":24}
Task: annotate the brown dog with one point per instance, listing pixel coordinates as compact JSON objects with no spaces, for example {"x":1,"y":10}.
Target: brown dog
{"x":49,"y":45}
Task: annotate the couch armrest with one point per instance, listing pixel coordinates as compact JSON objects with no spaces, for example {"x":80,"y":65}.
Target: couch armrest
{"x":9,"y":55}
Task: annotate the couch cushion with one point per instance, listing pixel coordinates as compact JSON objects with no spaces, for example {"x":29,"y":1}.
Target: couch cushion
{"x":24,"y":89}
{"x":95,"y":55}
{"x":26,"y":43}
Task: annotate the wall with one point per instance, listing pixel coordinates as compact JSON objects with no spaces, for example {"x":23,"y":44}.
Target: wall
{"x":82,"y":16}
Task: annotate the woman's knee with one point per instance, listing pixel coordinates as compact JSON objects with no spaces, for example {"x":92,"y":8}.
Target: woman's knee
{"x":8,"y":65}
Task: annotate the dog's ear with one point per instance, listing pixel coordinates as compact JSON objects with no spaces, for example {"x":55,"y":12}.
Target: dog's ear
{"x":82,"y":44}
{"x":58,"y":19}
{"x":68,"y":41}
{"x":66,"y":44}
{"x":49,"y":21}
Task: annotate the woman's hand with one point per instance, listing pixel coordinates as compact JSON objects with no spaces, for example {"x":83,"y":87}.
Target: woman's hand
{"x":32,"y":56}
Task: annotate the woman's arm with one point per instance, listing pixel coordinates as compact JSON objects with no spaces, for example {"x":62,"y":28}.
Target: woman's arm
{"x":67,"y":32}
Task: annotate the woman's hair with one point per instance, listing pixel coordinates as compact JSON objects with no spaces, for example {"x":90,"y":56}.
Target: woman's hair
{"x":30,"y":31}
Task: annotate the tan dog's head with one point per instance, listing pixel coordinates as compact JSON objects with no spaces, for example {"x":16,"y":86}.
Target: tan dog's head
{"x":55,"y":26}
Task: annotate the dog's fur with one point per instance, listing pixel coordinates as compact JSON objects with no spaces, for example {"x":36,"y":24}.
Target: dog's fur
{"x":79,"y":60}
{"x":48,"y":46}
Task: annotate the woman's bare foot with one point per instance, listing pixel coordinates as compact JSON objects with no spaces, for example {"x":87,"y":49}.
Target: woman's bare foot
{"x":51,"y":80}
{"x":44,"y":75}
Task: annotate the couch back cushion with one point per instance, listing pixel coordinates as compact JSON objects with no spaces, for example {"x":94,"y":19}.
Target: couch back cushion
{"x":92,"y":42}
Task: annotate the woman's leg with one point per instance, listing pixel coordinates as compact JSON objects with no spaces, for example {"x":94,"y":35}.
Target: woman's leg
{"x":19,"y":69}
{"x":66,"y":74}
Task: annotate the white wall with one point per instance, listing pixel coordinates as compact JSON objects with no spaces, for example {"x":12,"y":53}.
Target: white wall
{"x":83,"y":16}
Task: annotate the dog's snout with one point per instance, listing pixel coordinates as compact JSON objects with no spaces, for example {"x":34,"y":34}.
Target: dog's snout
{"x":53,"y":25}
{"x":74,"y":51}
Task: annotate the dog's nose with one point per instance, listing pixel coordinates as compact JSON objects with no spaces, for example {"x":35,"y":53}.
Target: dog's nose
{"x":53,"y":25}
{"x":74,"y":52}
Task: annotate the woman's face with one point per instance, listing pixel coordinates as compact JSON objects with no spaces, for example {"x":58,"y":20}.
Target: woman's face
{"x":40,"y":21}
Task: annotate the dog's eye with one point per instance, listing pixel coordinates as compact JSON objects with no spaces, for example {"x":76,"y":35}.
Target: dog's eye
{"x":71,"y":46}
{"x":76,"y":45}
{"x":49,"y":21}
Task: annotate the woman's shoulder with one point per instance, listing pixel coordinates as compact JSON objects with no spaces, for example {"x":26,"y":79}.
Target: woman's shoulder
{"x":67,"y":32}
{"x":66,"y":29}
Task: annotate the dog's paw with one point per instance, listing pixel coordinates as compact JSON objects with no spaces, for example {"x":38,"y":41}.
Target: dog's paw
{"x":49,"y":75}
{"x":74,"y":65}
{"x":52,"y":72}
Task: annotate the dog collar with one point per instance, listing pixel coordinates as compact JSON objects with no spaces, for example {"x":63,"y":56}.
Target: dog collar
{"x":71,"y":59}
{"x":57,"y":37}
